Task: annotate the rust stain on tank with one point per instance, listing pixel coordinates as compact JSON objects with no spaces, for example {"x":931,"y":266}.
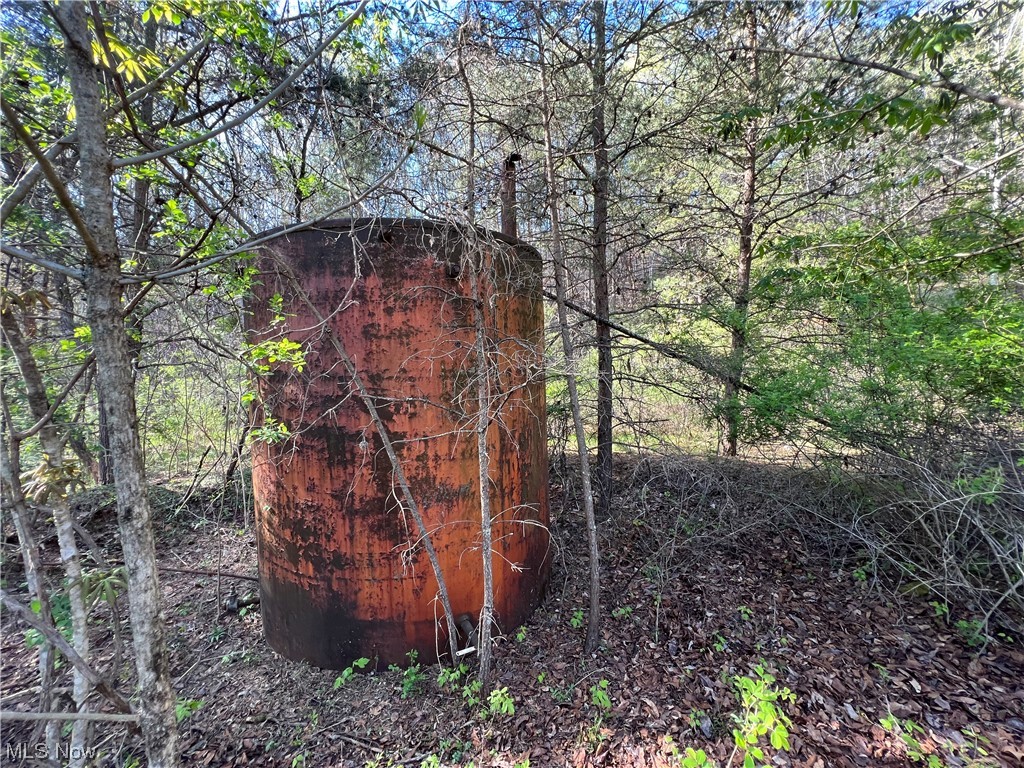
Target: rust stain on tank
{"x":342,"y":571}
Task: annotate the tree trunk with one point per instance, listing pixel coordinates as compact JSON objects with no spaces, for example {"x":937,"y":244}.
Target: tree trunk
{"x":745,"y":257}
{"x":586,"y":489}
{"x":483,"y":420}
{"x":599,"y":138}
{"x":14,"y":501}
{"x":114,"y":383}
{"x":57,"y":479}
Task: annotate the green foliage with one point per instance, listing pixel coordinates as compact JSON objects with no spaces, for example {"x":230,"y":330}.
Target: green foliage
{"x":941,"y":609}
{"x":457,"y":679}
{"x":912,"y":734}
{"x":972,"y":631}
{"x":60,"y":610}
{"x":928,"y":330}
{"x":760,"y":715}
{"x":688,"y":758}
{"x":576,"y":620}
{"x":349,"y":672}
{"x":100,"y":585}
{"x":449,"y":678}
{"x":599,"y":697}
{"x":986,"y":486}
{"x":471,"y":693}
{"x":413,"y":676}
{"x":500,"y":703}
{"x":263,"y":356}
{"x":185,"y":708}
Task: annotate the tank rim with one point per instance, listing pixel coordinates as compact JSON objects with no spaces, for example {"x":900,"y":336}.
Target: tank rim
{"x":403,"y":222}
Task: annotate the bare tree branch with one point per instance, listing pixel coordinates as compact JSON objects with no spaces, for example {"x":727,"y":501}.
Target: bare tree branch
{"x":126,"y":161}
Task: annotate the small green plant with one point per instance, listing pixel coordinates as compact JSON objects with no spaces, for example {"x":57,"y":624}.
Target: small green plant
{"x":602,"y":702}
{"x":910,"y":734}
{"x":599,"y":697}
{"x":562,"y":695}
{"x":860,"y":574}
{"x":972,"y":632}
{"x":695,"y":718}
{"x":541,"y":677}
{"x":349,"y":672}
{"x":941,"y":609}
{"x":432,"y":761}
{"x":986,"y":487}
{"x":691,"y":758}
{"x":103,"y":585}
{"x":449,"y":678}
{"x":521,"y":634}
{"x":412,"y":676}
{"x":760,"y":715}
{"x":577,"y":619}
{"x":623,"y":612}
{"x":471,"y":693}
{"x":185,"y":708}
{"x":745,"y":613}
{"x":501,"y":703}
{"x":524,"y":763}
{"x":720,"y":643}
{"x":454,"y":749}
{"x":299,"y":761}
{"x":60,"y":610}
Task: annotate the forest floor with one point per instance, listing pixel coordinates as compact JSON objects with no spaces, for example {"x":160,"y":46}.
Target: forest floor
{"x":711,"y":570}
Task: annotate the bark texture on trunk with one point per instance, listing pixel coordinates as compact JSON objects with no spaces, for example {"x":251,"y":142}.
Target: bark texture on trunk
{"x":14,"y":501}
{"x":114,"y":382}
{"x":586,"y":487}
{"x":599,"y":138}
{"x":57,"y":478}
{"x":745,"y":256}
{"x":483,"y":420}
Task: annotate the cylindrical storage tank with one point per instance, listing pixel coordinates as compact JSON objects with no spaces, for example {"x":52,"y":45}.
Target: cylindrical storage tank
{"x":343,"y":568}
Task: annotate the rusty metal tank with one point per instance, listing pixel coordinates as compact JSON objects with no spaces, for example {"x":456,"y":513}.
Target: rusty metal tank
{"x":343,"y":571}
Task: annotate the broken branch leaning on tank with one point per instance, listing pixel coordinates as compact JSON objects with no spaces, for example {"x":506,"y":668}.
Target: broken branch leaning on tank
{"x":389,"y":449}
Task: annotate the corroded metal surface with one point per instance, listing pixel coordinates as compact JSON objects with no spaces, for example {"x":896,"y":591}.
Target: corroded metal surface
{"x":342,"y":571}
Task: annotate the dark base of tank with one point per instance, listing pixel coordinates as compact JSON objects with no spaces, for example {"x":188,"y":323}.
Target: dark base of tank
{"x":330,"y":638}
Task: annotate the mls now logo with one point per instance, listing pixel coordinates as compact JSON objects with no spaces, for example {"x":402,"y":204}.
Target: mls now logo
{"x":25,"y":751}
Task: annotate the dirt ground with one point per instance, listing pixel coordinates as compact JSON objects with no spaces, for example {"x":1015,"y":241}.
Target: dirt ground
{"x":710,"y":571}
